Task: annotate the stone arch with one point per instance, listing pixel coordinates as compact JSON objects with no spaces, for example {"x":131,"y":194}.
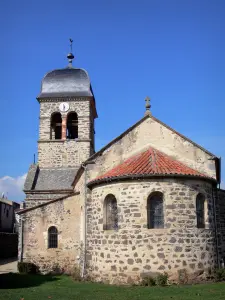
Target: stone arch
{"x":155,"y":210}
{"x":72,"y":125}
{"x":56,"y":126}
{"x":110,"y":213}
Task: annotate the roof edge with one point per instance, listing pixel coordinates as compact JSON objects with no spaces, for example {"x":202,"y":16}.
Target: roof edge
{"x":46,"y":203}
{"x":147,"y":176}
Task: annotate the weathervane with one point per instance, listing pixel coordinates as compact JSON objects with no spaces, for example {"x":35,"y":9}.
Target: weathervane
{"x":70,"y":56}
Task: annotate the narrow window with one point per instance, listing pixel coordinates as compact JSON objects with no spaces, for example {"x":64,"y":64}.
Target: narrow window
{"x":52,"y":237}
{"x":110,"y":213}
{"x":56,"y":127}
{"x":72,"y":126}
{"x":7,"y":213}
{"x":155,"y":214}
{"x":200,"y":210}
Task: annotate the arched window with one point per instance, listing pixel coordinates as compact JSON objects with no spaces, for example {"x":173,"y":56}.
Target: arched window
{"x":200,"y":210}
{"x":110,"y":213}
{"x":72,"y":126}
{"x":56,"y":126}
{"x":155,"y":213}
{"x":52,"y":237}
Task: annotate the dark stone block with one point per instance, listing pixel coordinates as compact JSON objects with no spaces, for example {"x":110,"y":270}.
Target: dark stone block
{"x":130,"y":261}
{"x":160,"y":255}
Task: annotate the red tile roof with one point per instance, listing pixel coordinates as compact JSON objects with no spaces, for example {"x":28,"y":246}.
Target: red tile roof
{"x":149,"y":162}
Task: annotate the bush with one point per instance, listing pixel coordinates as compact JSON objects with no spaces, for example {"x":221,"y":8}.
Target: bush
{"x":183,"y":276}
{"x":76,"y":274}
{"x":148,"y":281}
{"x":27,"y":268}
{"x":162,"y":279}
{"x":219,"y":274}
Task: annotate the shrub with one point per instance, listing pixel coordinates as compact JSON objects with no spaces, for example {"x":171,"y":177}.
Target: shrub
{"x":162,"y":279}
{"x":183,"y":276}
{"x":75,"y":274}
{"x":27,"y":268}
{"x":220,"y":274}
{"x":148,"y":281}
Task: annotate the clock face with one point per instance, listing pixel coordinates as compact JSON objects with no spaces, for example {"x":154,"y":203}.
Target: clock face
{"x":64,"y":106}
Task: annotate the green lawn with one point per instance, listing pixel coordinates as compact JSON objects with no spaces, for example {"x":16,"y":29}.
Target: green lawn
{"x":37,"y":287}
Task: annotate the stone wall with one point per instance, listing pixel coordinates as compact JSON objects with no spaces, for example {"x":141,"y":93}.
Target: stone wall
{"x":68,"y":153}
{"x":221,"y":223}
{"x":65,"y":215}
{"x":126,"y":254}
{"x":150,"y":132}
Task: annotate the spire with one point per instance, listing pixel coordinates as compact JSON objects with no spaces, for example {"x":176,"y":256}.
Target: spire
{"x":70,"y":56}
{"x":147,"y":106}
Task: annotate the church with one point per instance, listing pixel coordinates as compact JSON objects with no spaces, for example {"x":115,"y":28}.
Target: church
{"x":148,"y":202}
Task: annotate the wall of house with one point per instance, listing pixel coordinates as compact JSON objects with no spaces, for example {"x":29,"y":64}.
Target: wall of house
{"x":152,"y":133}
{"x":65,"y":215}
{"x":134,"y":250}
{"x":68,"y":153}
{"x":6,"y":217}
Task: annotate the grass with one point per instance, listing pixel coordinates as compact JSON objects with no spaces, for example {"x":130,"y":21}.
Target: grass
{"x":37,"y":287}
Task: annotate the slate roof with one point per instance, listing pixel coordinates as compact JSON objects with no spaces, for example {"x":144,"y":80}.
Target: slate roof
{"x":66,"y":82}
{"x":147,"y":163}
{"x":49,"y":178}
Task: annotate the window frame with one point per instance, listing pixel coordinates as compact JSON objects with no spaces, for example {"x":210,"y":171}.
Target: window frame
{"x":112,"y":224}
{"x":52,"y":237}
{"x":200,"y":212}
{"x":151,"y":223}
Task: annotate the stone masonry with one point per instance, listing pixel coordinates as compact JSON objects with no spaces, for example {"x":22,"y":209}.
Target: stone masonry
{"x":124,"y":255}
{"x":65,"y":153}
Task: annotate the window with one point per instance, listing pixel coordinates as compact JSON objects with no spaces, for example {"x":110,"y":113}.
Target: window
{"x":200,"y":210}
{"x":52,"y":237}
{"x":56,"y":127}
{"x":72,"y":126}
{"x":155,"y":214}
{"x":110,"y":213}
{"x":7,"y":213}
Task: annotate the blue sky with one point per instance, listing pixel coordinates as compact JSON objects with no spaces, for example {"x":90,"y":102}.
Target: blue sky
{"x":171,"y":50}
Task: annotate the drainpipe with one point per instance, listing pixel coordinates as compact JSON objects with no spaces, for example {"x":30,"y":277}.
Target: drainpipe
{"x":215,"y":224}
{"x":21,"y":239}
{"x":85,"y":223}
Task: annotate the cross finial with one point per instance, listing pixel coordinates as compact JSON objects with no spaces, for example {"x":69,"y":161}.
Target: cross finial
{"x":70,"y":56}
{"x":147,"y":106}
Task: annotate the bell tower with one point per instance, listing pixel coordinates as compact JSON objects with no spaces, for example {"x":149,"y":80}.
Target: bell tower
{"x":67,"y":115}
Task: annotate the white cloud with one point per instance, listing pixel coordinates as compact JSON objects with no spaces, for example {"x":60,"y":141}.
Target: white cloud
{"x":12,"y":187}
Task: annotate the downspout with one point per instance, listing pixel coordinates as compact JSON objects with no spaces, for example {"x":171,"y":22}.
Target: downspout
{"x":85,"y":223}
{"x":215,"y":224}
{"x":21,"y":239}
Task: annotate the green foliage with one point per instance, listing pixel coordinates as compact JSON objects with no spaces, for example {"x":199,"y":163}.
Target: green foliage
{"x":162,"y":279}
{"x":219,"y":274}
{"x":76,"y":274}
{"x":183,"y":276}
{"x":27,"y":268}
{"x":148,"y":281}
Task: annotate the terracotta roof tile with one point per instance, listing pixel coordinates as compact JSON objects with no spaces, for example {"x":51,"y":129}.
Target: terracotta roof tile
{"x":149,"y":162}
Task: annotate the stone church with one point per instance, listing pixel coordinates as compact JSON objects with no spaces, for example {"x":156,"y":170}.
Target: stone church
{"x":147,"y":202}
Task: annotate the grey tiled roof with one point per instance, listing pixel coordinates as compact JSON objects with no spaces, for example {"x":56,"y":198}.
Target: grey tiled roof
{"x":49,"y":179}
{"x":66,"y":82}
